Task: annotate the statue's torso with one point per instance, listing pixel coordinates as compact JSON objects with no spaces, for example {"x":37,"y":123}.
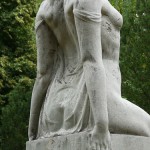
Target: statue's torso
{"x":67,"y":93}
{"x":55,"y":13}
{"x":63,"y":26}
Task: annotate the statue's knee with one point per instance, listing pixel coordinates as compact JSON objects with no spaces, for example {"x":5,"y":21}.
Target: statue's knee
{"x":145,"y":130}
{"x":148,"y":129}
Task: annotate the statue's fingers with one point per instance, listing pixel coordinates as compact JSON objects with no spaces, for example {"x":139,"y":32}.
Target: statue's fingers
{"x":103,"y":147}
{"x":93,"y":146}
{"x":90,"y":141}
{"x":109,"y":146}
{"x":98,"y":147}
{"x":31,"y":138}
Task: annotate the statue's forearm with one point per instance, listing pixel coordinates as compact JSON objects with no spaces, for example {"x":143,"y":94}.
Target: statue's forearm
{"x":96,"y":86}
{"x":38,"y":95}
{"x":88,"y":26}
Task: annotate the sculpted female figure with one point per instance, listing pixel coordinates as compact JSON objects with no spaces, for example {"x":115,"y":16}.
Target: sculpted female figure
{"x":78,"y":84}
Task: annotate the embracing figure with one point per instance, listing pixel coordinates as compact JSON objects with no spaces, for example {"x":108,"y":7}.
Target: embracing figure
{"x":78,"y":84}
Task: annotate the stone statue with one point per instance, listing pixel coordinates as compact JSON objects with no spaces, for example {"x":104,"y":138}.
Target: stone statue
{"x":78,"y":84}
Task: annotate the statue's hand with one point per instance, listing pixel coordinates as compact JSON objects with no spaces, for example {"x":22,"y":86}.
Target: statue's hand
{"x":32,"y":133}
{"x":100,"y":140}
{"x":33,"y":127}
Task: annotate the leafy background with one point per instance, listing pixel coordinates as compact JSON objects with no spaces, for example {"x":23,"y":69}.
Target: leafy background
{"x":18,"y":63}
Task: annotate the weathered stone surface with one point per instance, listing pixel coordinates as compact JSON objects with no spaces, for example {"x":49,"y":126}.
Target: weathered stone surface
{"x":82,"y":142}
{"x":78,"y":84}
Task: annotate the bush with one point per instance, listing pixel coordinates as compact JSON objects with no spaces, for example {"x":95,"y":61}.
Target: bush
{"x":15,"y":117}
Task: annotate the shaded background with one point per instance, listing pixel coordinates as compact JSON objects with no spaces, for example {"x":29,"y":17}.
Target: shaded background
{"x":18,"y":63}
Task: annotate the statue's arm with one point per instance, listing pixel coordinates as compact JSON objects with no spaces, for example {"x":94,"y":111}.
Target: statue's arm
{"x":88,"y":25}
{"x":46,"y":47}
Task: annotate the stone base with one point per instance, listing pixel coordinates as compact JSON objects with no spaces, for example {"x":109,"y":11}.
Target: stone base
{"x":80,"y":141}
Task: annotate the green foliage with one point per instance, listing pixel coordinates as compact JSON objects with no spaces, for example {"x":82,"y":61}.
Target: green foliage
{"x":15,"y":117}
{"x":17,"y":70}
{"x":17,"y":46}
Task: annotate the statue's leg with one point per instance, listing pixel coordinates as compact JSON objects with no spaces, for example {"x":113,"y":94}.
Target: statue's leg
{"x":127,"y":118}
